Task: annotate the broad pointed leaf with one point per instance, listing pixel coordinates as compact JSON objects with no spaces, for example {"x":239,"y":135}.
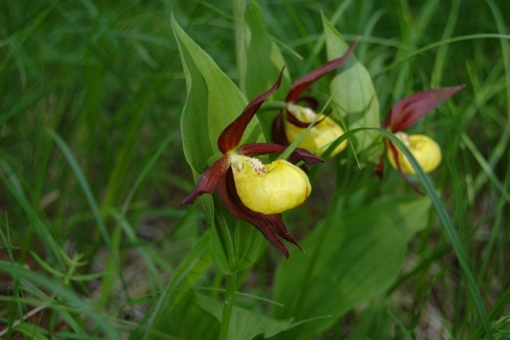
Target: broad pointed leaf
{"x":354,"y":97}
{"x":244,"y":324}
{"x":190,"y":269}
{"x":198,"y":317}
{"x":350,"y":258}
{"x":191,"y":322}
{"x":259,"y":59}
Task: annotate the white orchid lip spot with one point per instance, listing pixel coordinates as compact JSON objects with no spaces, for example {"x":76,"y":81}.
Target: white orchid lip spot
{"x":278,"y":187}
{"x":426,"y":151}
{"x":320,"y":135}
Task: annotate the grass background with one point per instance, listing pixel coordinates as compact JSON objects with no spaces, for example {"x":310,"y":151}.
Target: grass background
{"x":91,"y":162}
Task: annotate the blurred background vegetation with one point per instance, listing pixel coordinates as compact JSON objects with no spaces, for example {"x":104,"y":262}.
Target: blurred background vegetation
{"x":91,"y":161}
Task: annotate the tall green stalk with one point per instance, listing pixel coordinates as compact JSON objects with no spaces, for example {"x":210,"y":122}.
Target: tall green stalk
{"x":227,"y":307}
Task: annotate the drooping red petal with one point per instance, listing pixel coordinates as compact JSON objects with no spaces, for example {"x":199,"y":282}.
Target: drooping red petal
{"x":209,"y":180}
{"x":394,"y":152}
{"x":380,"y":167}
{"x":278,"y":226}
{"x":278,"y":131}
{"x":291,"y":119}
{"x":410,"y":109}
{"x":312,"y":102}
{"x":308,"y":79}
{"x":256,"y":149}
{"x":231,"y":136}
{"x":229,"y":196}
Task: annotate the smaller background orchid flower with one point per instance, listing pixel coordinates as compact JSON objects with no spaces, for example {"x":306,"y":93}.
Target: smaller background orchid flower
{"x":294,"y":119}
{"x":253,"y":191}
{"x":403,"y":115}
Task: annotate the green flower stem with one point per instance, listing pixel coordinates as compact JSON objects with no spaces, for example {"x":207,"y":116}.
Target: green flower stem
{"x":228,"y":305}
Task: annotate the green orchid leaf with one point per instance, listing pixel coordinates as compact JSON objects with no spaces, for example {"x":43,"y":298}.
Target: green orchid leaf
{"x":213,"y":102}
{"x":244,"y":324}
{"x":242,"y":235}
{"x":350,"y":258}
{"x":354,"y":99}
{"x":259,"y":60}
{"x":198,"y":317}
{"x":374,"y":322}
{"x":196,"y":262}
{"x":191,"y":322}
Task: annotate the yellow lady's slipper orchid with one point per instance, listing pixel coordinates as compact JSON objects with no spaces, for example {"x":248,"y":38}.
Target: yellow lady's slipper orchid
{"x":405,"y":113}
{"x":297,"y":118}
{"x":424,"y":149}
{"x":319,"y":136}
{"x":272,"y":188}
{"x":250,"y":190}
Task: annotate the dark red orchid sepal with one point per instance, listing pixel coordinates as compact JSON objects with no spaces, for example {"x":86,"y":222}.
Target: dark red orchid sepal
{"x":409,"y":110}
{"x":231,"y":136}
{"x":311,"y":77}
{"x":219,"y":176}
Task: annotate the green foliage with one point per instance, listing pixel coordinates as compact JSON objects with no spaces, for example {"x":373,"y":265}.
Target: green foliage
{"x":351,"y":256}
{"x":178,"y":291}
{"x":259,"y":59}
{"x":373,"y":323}
{"x":244,"y":324}
{"x":94,"y":241}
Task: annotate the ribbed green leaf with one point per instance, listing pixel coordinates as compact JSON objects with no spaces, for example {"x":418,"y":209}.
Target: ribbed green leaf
{"x":374,"y":323}
{"x":197,"y":317}
{"x":192,"y":322}
{"x":245,"y":238}
{"x":354,"y":97}
{"x":259,"y":59}
{"x":188,"y":272}
{"x":350,"y":258}
{"x":245,"y":324}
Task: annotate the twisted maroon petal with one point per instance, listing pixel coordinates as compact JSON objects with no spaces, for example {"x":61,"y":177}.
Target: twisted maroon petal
{"x":308,"y":79}
{"x":394,"y":152}
{"x":291,"y":119}
{"x":312,"y":102}
{"x":255,"y":149}
{"x":231,"y":136}
{"x":209,"y":180}
{"x":303,"y":125}
{"x":279,"y":228}
{"x":271,"y":226}
{"x":410,"y":109}
{"x":380,"y":167}
{"x":278,"y":131}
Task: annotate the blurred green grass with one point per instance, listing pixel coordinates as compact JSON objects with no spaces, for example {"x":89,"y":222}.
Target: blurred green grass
{"x":106,"y":78}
